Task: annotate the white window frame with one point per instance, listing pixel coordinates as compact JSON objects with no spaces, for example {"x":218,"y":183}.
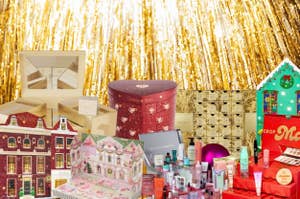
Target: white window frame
{"x":24,"y":167}
{"x":63,"y":160}
{"x":63,"y":143}
{"x":38,"y":162}
{"x":15,"y":187}
{"x":15,"y":164}
{"x":37,"y":185}
{"x":68,"y":147}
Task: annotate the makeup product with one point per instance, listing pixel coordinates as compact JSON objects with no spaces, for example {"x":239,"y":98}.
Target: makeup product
{"x":191,"y":151}
{"x":197,"y":175}
{"x":258,"y":180}
{"x":204,"y":168}
{"x":284,"y":176}
{"x":179,"y":182}
{"x":266,"y":157}
{"x":219,"y":179}
{"x":186,"y":162}
{"x":158,"y":187}
{"x":180,"y":153}
{"x":198,"y":151}
{"x":230,"y":175}
{"x":158,"y":160}
{"x":168,"y":158}
{"x":244,"y":162}
{"x":255,"y":147}
{"x":174,"y":155}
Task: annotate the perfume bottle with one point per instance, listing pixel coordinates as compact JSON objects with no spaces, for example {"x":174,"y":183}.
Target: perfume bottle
{"x":244,"y":162}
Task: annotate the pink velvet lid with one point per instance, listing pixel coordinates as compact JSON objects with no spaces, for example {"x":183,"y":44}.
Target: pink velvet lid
{"x":141,"y":87}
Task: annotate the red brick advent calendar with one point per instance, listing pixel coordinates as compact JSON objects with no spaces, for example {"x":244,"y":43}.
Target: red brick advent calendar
{"x":143,"y":106}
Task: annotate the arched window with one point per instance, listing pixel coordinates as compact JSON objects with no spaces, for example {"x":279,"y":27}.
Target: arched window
{"x":11,"y":142}
{"x":26,"y":143}
{"x":41,"y":143}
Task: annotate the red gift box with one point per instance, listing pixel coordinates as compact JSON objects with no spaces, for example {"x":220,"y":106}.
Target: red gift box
{"x":143,"y":106}
{"x":243,"y":194}
{"x":280,"y":132}
{"x":269,"y":186}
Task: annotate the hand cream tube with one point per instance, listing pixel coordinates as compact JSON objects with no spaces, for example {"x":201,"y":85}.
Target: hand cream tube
{"x":229,"y":168}
{"x":258,"y":179}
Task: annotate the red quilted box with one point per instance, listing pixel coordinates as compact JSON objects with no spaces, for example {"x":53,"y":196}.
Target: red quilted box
{"x":143,"y":106}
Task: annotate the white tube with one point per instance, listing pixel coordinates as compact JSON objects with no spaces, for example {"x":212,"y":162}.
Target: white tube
{"x":258,"y":179}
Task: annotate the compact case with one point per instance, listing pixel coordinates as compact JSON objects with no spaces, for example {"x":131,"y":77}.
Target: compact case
{"x":143,"y":106}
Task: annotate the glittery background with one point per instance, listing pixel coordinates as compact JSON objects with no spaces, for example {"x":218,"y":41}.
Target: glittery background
{"x":200,"y":44}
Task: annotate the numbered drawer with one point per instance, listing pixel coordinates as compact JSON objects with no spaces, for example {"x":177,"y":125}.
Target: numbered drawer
{"x":201,"y":119}
{"x":225,"y":142}
{"x":212,"y":139}
{"x":225,"y":107}
{"x":236,"y":95}
{"x":238,"y":119}
{"x":212,"y":130}
{"x":237,"y":131}
{"x":201,"y":96}
{"x":237,"y":107}
{"x":212,"y":107}
{"x":201,"y":107}
{"x":225,"y":130}
{"x":212,"y":119}
{"x":213,"y":95}
{"x":225,"y":119}
{"x":237,"y":141}
{"x":201,"y":131}
{"x":224,"y":95}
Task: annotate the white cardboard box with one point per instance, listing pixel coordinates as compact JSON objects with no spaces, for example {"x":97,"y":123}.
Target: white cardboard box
{"x":52,"y":76}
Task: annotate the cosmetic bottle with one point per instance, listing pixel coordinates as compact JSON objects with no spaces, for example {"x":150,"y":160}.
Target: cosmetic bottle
{"x":244,"y":162}
{"x":180,"y":156}
{"x":198,"y":151}
{"x":191,"y":151}
{"x":197,"y":175}
{"x":174,"y":156}
{"x":255,"y":151}
{"x":168,"y":158}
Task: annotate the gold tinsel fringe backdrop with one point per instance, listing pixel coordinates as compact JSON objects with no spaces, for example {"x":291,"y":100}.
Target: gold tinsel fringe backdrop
{"x":200,"y":44}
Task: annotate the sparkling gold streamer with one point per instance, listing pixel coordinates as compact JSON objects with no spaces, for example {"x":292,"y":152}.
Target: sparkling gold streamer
{"x":200,"y":44}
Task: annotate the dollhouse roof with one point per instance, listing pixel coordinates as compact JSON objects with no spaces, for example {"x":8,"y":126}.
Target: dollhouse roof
{"x":25,"y":119}
{"x":277,"y":69}
{"x":125,"y":143}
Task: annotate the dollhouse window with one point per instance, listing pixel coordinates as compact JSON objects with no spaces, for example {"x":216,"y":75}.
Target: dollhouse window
{"x":40,"y":186}
{"x":40,"y":123}
{"x":118,"y":160}
{"x":11,"y":164}
{"x":11,"y":142}
{"x":13,"y":120}
{"x":59,"y":160}
{"x":298,"y":102}
{"x":78,"y":154}
{"x":11,"y":187}
{"x":40,"y":164}
{"x":270,"y":102}
{"x":41,"y":143}
{"x":73,"y":156}
{"x":26,"y":143}
{"x":109,"y":158}
{"x":26,"y":164}
{"x":59,"y":142}
{"x":69,"y":141}
{"x":68,"y":160}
